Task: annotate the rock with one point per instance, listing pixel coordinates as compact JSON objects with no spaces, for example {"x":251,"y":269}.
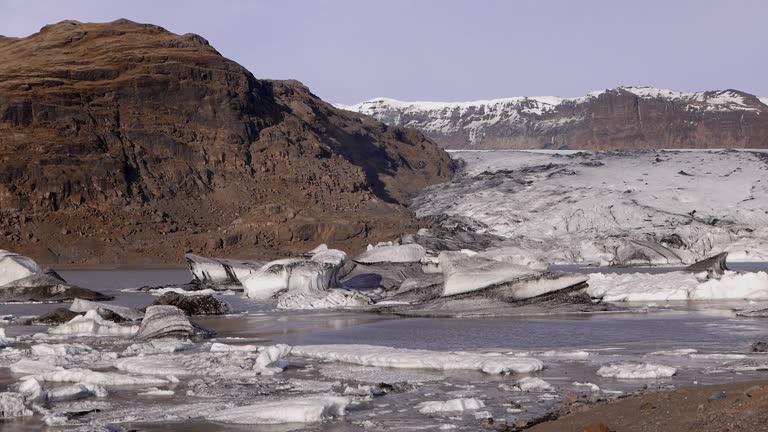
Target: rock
{"x":46,"y":287}
{"x":168,"y":321}
{"x":760,"y":347}
{"x":194,"y":304}
{"x":756,"y":390}
{"x":224,"y":149}
{"x":595,"y":427}
{"x":717,"y":396}
{"x":56,"y":316}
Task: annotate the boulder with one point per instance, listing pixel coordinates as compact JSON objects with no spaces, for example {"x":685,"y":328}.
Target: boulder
{"x":46,"y":287}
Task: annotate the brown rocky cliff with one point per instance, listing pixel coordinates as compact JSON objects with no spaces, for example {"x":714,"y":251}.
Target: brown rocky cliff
{"x":123,"y":142}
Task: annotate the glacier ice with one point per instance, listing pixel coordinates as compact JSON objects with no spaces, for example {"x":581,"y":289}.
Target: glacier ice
{"x":613,"y":208}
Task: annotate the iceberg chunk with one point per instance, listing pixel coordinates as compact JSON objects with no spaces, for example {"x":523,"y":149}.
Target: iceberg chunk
{"x":14,"y":267}
{"x":168,"y":321}
{"x":219,"y":270}
{"x":510,"y":282}
{"x":382,"y":356}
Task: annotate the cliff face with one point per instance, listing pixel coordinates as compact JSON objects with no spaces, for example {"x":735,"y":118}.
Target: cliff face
{"x":621,"y":118}
{"x":123,"y":142}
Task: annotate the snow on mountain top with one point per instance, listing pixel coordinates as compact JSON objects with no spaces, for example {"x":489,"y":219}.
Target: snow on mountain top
{"x":764,"y":100}
{"x":713,"y":100}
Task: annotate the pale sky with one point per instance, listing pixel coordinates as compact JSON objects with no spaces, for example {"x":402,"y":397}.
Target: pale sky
{"x":350,"y":50}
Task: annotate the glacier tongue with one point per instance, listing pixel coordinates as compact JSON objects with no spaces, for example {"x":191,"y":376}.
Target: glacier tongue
{"x":611,"y":208}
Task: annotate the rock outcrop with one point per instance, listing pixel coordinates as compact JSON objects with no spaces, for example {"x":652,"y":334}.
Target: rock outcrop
{"x":123,"y":142}
{"x":621,"y":118}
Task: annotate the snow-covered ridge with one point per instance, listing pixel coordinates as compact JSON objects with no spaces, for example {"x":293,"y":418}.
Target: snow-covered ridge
{"x":718,"y":99}
{"x":521,"y":115}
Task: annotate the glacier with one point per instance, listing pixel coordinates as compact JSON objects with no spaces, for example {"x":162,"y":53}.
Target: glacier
{"x":610,"y":208}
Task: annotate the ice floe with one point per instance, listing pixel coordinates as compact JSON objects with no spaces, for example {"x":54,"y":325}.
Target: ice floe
{"x":671,"y":286}
{"x":92,"y":324}
{"x":636,"y":371}
{"x":461,"y":404}
{"x":382,"y":356}
{"x":105,"y":379}
{"x":392,"y":253}
{"x":82,"y":306}
{"x":289,"y":410}
{"x":12,"y":405}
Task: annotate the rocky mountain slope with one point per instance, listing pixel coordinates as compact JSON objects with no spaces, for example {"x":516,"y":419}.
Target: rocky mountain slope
{"x":621,"y":118}
{"x":123,"y":142}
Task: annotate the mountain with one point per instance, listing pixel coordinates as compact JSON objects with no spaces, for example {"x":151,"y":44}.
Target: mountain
{"x":123,"y":142}
{"x":620,"y":118}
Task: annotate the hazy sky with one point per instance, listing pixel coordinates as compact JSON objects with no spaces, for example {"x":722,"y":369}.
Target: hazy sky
{"x":348,"y":51}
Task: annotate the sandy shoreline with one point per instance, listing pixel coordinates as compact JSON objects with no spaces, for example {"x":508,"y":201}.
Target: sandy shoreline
{"x":739,"y":406}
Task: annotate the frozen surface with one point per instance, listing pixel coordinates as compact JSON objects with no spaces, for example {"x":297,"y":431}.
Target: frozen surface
{"x":294,"y":410}
{"x":382,"y":356}
{"x":652,"y":207}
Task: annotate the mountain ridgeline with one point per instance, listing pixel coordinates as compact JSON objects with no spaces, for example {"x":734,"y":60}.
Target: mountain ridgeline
{"x":123,"y":142}
{"x":616,"y":119}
